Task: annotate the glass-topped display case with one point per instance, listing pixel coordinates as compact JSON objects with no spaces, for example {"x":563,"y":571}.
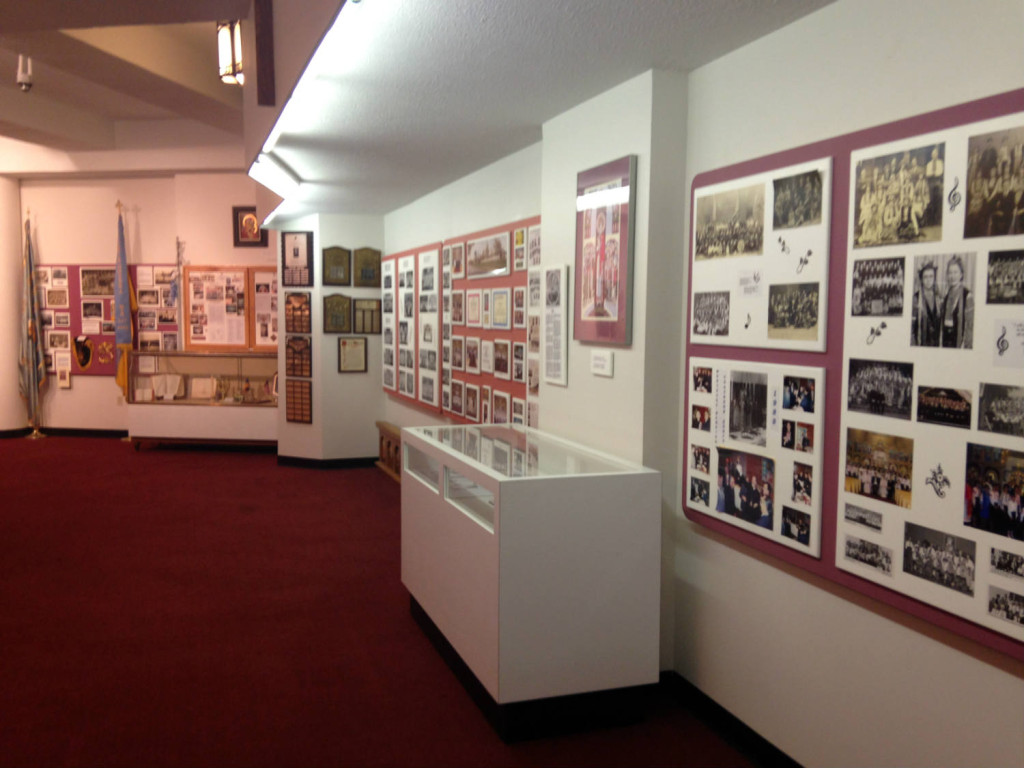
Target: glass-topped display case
{"x":203,"y":378}
{"x":537,"y":558}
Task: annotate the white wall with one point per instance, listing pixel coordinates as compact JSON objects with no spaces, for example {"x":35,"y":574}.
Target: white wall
{"x":830,"y":677}
{"x":508,"y":190}
{"x":12,"y":409}
{"x":607,"y":413}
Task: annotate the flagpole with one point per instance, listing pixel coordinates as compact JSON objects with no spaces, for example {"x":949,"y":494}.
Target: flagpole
{"x":31,"y":360}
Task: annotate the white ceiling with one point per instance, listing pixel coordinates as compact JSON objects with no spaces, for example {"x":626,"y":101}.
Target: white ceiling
{"x":403,"y":97}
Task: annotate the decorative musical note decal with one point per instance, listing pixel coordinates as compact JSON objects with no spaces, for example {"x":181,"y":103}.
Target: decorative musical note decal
{"x":747,"y":324}
{"x":803,"y":261}
{"x":875,"y":333}
{"x":1001,"y":343}
{"x":783,"y":246}
{"x":954,"y":197}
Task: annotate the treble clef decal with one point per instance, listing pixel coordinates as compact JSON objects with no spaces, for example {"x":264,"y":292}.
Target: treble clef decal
{"x":954,"y":197}
{"x":1001,"y":343}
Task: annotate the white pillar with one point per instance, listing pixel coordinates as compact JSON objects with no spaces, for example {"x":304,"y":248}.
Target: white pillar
{"x":12,"y":409}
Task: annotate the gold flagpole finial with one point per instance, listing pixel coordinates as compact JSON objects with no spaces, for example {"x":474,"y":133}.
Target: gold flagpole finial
{"x":120,"y":206}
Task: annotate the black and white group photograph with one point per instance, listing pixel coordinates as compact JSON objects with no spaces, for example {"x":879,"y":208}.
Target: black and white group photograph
{"x":796,"y":525}
{"x":1005,"y":277}
{"x":1001,"y":409}
{"x":1007,"y":563}
{"x":798,"y":394}
{"x":1004,"y":604}
{"x":881,"y":388}
{"x":992,"y":497}
{"x":878,"y":287}
{"x":730,"y":223}
{"x":797,"y":201}
{"x":945,"y":406}
{"x":995,"y":184}
{"x":793,"y":311}
{"x":700,"y":491}
{"x":942,"y":313}
{"x":879,"y":466}
{"x":746,"y":487}
{"x":711,"y":313}
{"x":748,"y":407}
{"x":866,"y":517}
{"x":939,"y":557}
{"x":898,"y":197}
{"x":868,"y":553}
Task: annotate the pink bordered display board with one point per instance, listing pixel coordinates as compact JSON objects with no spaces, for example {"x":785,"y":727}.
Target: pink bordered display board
{"x":904,"y":482}
{"x":411,"y":296}
{"x":484,"y":323}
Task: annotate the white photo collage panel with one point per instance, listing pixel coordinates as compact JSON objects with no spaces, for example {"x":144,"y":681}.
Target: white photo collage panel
{"x":446,"y":328}
{"x":932,"y":435}
{"x":407,"y":312}
{"x":755,"y":447}
{"x":389,"y":330}
{"x":429,"y":328}
{"x":760,"y":254}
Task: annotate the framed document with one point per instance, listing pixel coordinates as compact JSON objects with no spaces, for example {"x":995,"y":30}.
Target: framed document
{"x":297,"y":259}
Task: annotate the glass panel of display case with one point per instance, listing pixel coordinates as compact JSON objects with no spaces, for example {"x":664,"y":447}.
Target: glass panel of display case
{"x":422,"y":466}
{"x":470,"y":498}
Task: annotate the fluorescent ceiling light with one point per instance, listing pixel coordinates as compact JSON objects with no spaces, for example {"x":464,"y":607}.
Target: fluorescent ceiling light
{"x":274,"y":175}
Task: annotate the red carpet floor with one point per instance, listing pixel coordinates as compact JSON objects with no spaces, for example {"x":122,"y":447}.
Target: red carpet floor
{"x":211,"y":608}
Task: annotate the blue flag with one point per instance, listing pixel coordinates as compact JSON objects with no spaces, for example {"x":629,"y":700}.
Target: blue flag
{"x":31,"y":357}
{"x":124,"y":305}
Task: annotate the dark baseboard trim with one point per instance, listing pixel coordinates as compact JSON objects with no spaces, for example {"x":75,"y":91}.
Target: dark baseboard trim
{"x":186,"y":444}
{"x":740,"y":736}
{"x":65,"y":432}
{"x":14,"y":433}
{"x":296,"y":461}
{"x":541,"y":718}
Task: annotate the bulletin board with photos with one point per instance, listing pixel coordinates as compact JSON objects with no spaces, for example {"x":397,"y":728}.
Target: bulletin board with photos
{"x":920,"y":494}
{"x":229,"y":308}
{"x":486,"y":316}
{"x":77,"y":313}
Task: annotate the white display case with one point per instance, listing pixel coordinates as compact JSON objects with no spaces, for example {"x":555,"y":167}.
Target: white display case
{"x":539,"y":560}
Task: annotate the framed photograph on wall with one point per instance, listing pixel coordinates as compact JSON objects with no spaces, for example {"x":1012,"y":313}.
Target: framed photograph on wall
{"x":337,"y":266}
{"x":246,"y":230}
{"x":474,"y":309}
{"x":501,"y":310}
{"x":487,"y":256}
{"x":352,"y":354}
{"x":297,"y":259}
{"x":605,"y":205}
{"x":458,"y":260}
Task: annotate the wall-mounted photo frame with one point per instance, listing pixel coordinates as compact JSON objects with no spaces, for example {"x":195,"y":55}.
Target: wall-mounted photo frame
{"x":366,"y":268}
{"x":297,"y":312}
{"x":487,"y":256}
{"x":337,"y":313}
{"x":298,"y":356}
{"x":605,"y":205}
{"x":245,"y":228}
{"x":474,"y":309}
{"x":502,"y":359}
{"x":297,"y":259}
{"x":501,"y":309}
{"x":519,"y":249}
{"x":352,"y":354}
{"x":97,"y":281}
{"x":337,"y":266}
{"x":458,"y":260}
{"x":366,"y":316}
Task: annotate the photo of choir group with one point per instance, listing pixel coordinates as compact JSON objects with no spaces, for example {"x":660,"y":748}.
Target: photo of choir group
{"x":752,"y":448}
{"x":759,"y":257}
{"x":995,"y":184}
{"x":933,"y":345}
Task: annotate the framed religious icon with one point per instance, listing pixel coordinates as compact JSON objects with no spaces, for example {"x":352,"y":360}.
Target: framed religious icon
{"x":352,"y":354}
{"x":337,"y":267}
{"x":366,"y":268}
{"x":605,"y":205}
{"x":297,"y":259}
{"x":337,"y":313}
{"x":246,"y":227}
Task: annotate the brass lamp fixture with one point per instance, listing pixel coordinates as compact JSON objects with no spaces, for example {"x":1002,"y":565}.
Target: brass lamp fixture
{"x":229,"y":52}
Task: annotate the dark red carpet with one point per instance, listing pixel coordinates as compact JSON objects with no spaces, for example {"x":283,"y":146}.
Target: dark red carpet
{"x":211,"y":608}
